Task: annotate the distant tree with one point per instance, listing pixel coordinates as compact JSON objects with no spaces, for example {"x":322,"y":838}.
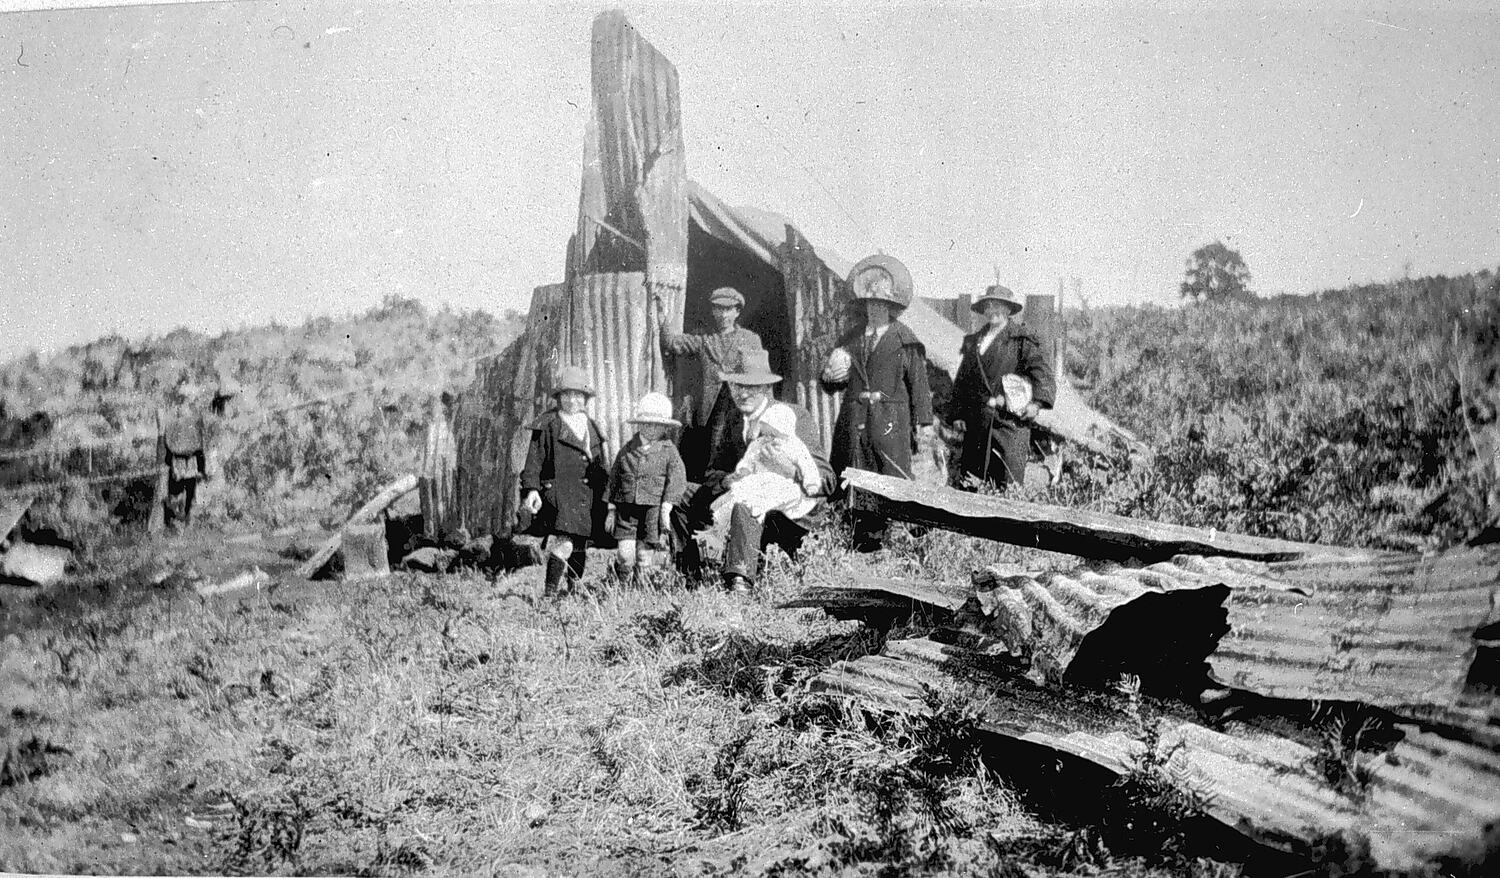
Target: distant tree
{"x":1215,"y":273}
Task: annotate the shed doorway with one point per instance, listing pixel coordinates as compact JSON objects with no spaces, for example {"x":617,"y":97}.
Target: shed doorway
{"x":713,"y":263}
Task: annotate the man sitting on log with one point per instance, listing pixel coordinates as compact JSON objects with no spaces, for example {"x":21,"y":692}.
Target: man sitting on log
{"x":730,"y":433}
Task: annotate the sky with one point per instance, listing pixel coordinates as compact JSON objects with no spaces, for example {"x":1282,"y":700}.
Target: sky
{"x":222,"y":165}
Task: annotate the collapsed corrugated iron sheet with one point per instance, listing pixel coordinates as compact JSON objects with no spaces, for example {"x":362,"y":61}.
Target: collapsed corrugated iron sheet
{"x":1430,"y":796}
{"x":1259,"y":784}
{"x":1388,"y":632}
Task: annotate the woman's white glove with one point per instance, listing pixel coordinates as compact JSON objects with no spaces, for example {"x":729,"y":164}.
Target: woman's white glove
{"x":837,"y":368}
{"x":532,"y":502}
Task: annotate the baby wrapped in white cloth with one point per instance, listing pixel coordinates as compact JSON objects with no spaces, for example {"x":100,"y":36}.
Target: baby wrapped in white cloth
{"x":778,"y":471}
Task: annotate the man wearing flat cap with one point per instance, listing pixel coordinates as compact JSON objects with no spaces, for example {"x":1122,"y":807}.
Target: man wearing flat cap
{"x":720,"y":351}
{"x":1005,"y":377}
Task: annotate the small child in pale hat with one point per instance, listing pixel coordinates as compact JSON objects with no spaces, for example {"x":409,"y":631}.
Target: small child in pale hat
{"x":647,"y":481}
{"x":778,"y":471}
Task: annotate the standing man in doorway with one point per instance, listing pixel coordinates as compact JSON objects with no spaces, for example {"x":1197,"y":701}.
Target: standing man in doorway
{"x":1005,"y":377}
{"x":718,"y":352}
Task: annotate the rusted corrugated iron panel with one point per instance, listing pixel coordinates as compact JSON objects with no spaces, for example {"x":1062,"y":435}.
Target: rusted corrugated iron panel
{"x":438,"y":486}
{"x":1047,"y":620}
{"x":1062,"y":529}
{"x":1389,"y":632}
{"x":1392,"y":632}
{"x":493,"y":417}
{"x":637,"y":128}
{"x":816,"y":298}
{"x":1259,"y":784}
{"x":1430,"y":796}
{"x":614,"y":336}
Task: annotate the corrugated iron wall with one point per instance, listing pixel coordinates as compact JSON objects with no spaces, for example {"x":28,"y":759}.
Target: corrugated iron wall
{"x":816,"y":298}
{"x":439,"y":486}
{"x":614,"y":336}
{"x":636,"y":157}
{"x":493,"y":416}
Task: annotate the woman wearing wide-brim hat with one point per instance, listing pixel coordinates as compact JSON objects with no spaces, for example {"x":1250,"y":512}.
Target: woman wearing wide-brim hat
{"x":564,"y":480}
{"x":1005,"y":377}
{"x":881,"y":366}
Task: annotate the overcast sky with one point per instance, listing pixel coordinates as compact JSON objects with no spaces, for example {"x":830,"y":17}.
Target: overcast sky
{"x":221,"y":165}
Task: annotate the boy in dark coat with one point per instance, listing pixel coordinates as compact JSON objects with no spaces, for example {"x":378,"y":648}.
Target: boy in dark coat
{"x":997,"y":425}
{"x":565,"y":478}
{"x":647,"y":481}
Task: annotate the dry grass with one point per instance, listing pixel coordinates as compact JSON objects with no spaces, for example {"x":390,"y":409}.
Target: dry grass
{"x":447,"y":724}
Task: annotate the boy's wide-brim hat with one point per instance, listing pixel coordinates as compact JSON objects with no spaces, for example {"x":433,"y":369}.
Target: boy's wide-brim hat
{"x":756,"y":371}
{"x":867,"y":280}
{"x":572,"y":378}
{"x":998,"y":293}
{"x":654,"y":408}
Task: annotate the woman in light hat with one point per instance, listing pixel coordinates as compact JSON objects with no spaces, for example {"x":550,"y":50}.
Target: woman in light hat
{"x":1004,"y":379}
{"x":647,"y":481}
{"x":564,"y":480}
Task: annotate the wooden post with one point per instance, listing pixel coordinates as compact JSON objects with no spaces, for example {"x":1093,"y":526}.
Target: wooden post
{"x":1041,"y":317}
{"x":963,"y":313}
{"x":156,"y":521}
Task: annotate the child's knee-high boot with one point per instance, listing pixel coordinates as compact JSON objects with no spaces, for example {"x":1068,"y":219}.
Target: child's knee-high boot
{"x":576,"y":561}
{"x":557,"y":570}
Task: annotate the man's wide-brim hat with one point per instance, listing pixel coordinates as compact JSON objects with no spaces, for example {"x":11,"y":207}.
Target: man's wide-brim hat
{"x":998,"y":293}
{"x":881,"y":278}
{"x":654,"y":408}
{"x":572,"y":378}
{"x":756,"y":371}
{"x":726,"y":297}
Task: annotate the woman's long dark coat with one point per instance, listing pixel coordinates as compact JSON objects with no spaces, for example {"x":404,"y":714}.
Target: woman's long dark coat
{"x":880,"y":434}
{"x":570,"y":477}
{"x":999,"y":435}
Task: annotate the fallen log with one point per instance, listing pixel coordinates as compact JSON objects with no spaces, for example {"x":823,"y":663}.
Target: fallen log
{"x":31,"y":564}
{"x":881,"y":600}
{"x":363,"y":515}
{"x":1058,"y":529}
